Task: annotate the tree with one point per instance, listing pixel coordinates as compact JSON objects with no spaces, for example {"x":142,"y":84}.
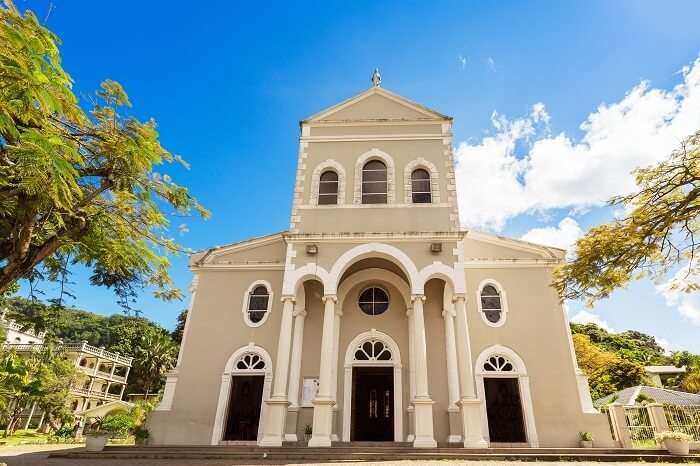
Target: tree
{"x":77,"y":187}
{"x":155,"y":356}
{"x":56,"y":374}
{"x":17,"y":388}
{"x":606,"y":371}
{"x":180,"y":327}
{"x":657,"y":234}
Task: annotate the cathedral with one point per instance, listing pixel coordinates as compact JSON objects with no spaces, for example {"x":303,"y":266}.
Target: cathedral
{"x":375,"y":316}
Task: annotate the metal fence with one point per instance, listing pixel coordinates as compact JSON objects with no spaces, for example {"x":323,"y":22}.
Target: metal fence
{"x":684,"y":419}
{"x":640,"y":428}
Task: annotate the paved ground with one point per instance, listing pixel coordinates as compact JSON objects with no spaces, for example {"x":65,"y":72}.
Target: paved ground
{"x":37,"y":455}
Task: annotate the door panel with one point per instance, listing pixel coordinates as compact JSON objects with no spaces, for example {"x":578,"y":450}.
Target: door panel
{"x":504,"y":410}
{"x":372,"y":415}
{"x":244,"y":407}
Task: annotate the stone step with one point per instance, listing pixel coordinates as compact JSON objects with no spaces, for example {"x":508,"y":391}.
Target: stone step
{"x":360,"y":453}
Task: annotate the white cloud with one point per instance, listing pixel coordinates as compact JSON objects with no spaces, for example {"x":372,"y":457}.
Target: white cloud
{"x":561,"y":236}
{"x":492,"y":64}
{"x":495,"y":183}
{"x":585,"y":317}
{"x":462,"y":61}
{"x":687,"y":304}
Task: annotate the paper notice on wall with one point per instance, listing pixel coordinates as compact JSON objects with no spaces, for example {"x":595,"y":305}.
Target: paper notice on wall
{"x":309,"y":391}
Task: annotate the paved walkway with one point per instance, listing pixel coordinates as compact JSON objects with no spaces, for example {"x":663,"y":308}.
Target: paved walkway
{"x":37,"y":455}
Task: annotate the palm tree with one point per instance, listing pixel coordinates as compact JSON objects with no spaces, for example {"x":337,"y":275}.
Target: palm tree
{"x":155,"y":355}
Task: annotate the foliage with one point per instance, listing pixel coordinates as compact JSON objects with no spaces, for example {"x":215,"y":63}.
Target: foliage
{"x":668,"y":435}
{"x":44,"y":377}
{"x":155,"y":355}
{"x":140,"y":411}
{"x":657,"y":233}
{"x":180,"y":327}
{"x":76,"y":187}
{"x":117,"y":333}
{"x":606,"y":371}
{"x":585,"y":436}
{"x":117,"y":424}
{"x":141,"y":433}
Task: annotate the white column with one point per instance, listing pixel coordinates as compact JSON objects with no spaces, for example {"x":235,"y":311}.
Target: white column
{"x":323,"y":404}
{"x":334,"y":387}
{"x":470,"y":405}
{"x":423,"y":404}
{"x":276,"y":411}
{"x":452,"y":373}
{"x":295,"y":374}
{"x":411,"y":376}
{"x":29,"y":418}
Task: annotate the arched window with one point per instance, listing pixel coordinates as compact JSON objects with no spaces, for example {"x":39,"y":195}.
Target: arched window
{"x":492,"y":304}
{"x":374,"y":183}
{"x":421,"y":187}
{"x":257,"y":303}
{"x":374,"y":301}
{"x":328,"y":188}
{"x":498,"y":364}
{"x":373,"y":350}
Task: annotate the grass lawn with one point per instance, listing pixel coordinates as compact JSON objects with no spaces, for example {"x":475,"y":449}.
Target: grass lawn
{"x":24,"y":437}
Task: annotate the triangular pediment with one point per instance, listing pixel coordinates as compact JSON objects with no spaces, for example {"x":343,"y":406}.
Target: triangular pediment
{"x":376,"y":104}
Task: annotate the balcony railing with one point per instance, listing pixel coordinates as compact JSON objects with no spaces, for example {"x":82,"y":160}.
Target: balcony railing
{"x":82,"y":347}
{"x":94,"y":393}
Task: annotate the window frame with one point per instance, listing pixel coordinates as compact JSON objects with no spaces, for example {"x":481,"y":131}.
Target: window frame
{"x":504,"y":302}
{"x":363,"y":182}
{"x":373,"y":302}
{"x":322,"y":195}
{"x":246,"y":303}
{"x":429,"y":180}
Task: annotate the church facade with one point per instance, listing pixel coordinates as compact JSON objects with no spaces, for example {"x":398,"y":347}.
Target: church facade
{"x":375,"y":317}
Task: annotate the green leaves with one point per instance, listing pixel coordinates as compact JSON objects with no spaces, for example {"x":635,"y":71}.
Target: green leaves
{"x":82,"y":184}
{"x":657,"y":234}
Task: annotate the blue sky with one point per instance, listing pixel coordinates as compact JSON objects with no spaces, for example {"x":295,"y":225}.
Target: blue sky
{"x":228,"y":82}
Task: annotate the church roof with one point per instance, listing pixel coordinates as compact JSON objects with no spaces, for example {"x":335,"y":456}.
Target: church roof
{"x":412,"y":110}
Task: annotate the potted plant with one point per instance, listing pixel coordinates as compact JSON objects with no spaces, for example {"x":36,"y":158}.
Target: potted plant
{"x":95,"y":437}
{"x":677,"y":443}
{"x":585,"y":439}
{"x":308,"y":430}
{"x":141,"y":435}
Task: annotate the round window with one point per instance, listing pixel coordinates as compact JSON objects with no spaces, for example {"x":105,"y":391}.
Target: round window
{"x":374,"y":301}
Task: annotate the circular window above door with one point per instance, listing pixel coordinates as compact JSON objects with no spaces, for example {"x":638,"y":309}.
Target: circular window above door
{"x":374,"y":301}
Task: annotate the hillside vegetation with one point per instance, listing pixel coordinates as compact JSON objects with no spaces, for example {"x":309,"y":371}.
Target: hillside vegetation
{"x":613,"y":361}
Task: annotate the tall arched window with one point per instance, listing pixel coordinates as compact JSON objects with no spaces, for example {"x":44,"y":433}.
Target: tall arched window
{"x":420,"y":187}
{"x":492,"y":304}
{"x":257,"y":303}
{"x":374,"y":182}
{"x":328,"y":188}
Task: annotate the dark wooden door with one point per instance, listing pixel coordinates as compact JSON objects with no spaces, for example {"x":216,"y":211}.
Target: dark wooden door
{"x":373,"y":404}
{"x":504,"y":410}
{"x":244,"y":407}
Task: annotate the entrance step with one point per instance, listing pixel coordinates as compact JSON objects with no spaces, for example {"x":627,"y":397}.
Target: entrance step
{"x":392,"y":452}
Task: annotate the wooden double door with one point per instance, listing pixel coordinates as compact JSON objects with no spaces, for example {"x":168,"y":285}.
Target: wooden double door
{"x":372,"y":416}
{"x":245,"y":402}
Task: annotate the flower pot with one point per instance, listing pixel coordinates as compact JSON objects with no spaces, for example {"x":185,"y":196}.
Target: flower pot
{"x":677,"y":447}
{"x":586,"y":443}
{"x":96,"y":442}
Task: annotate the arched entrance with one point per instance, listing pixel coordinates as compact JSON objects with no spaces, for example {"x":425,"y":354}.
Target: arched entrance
{"x":372,"y":408}
{"x":503,"y":384}
{"x":245,"y":383}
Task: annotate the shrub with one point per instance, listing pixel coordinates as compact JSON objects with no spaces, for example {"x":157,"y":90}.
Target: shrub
{"x":141,"y":433}
{"x":585,"y":436}
{"x":660,"y":437}
{"x":118,"y":424}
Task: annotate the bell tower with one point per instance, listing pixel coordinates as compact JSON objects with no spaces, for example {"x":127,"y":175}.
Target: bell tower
{"x":375,"y":163}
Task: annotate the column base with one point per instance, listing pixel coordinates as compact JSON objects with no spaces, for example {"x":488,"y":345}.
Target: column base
{"x":471,"y":423}
{"x":275,"y":416}
{"x":455,"y":425}
{"x":323,"y":422}
{"x":290,"y":430}
{"x":425,"y":437}
{"x":411,"y":429}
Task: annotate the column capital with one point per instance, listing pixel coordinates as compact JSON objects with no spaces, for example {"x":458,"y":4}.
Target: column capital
{"x":414,"y":297}
{"x":301,"y":313}
{"x":448,"y":312}
{"x":459,"y":297}
{"x":339,"y":311}
{"x":288,"y":297}
{"x":409,"y":311}
{"x":331,"y":297}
